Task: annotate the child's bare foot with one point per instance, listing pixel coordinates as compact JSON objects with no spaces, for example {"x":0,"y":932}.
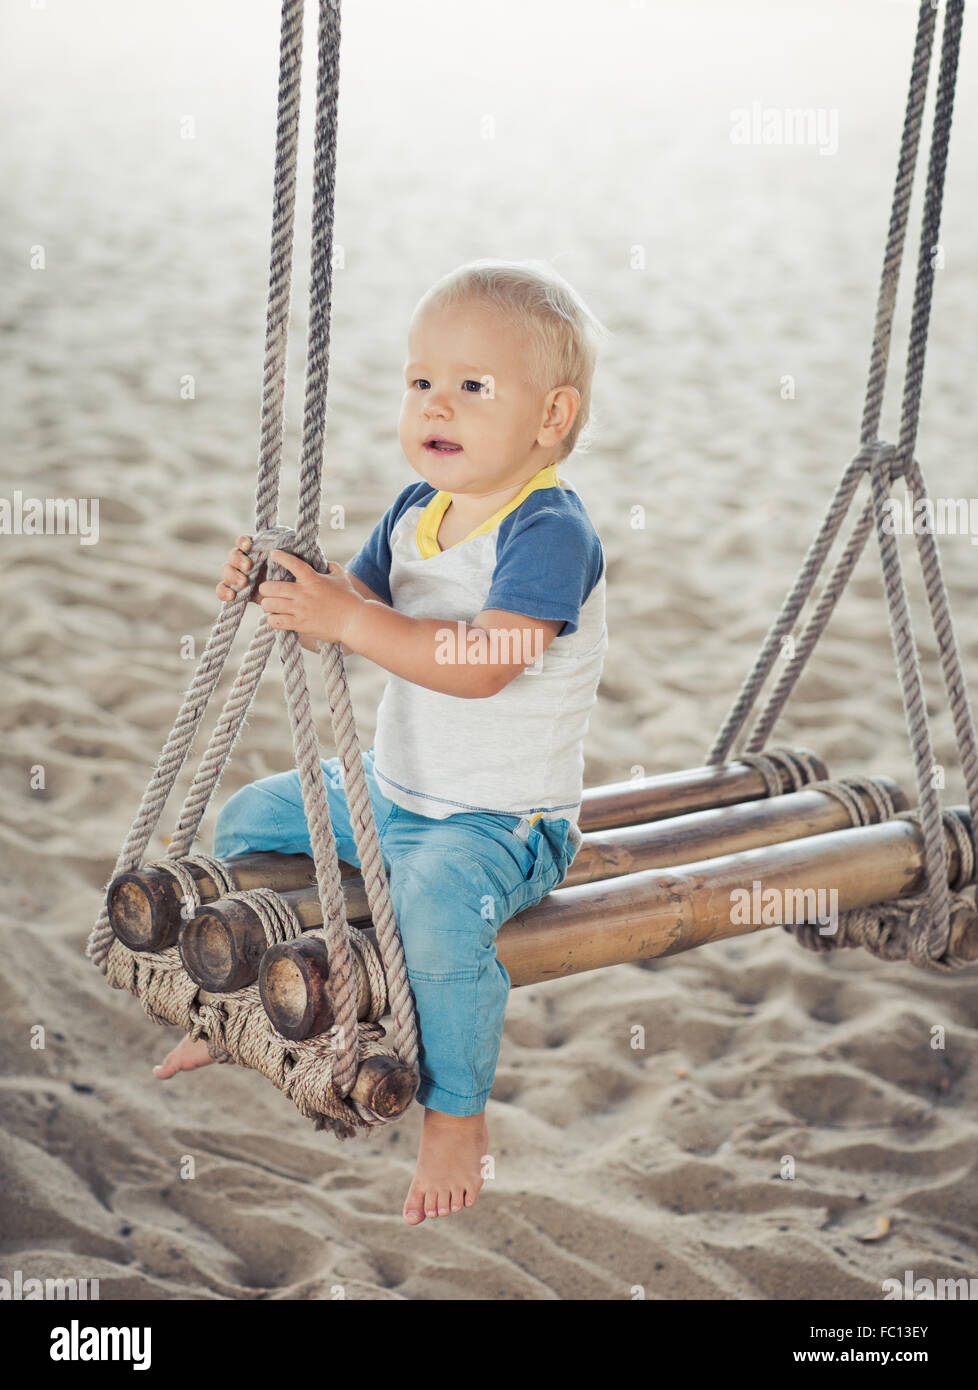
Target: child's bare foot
{"x":184,"y":1057}
{"x":449,"y":1171}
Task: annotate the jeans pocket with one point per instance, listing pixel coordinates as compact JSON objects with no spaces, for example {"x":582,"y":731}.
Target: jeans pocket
{"x":558,"y":843}
{"x":536,"y":849}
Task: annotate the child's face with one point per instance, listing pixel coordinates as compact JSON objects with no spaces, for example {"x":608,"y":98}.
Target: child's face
{"x":466,"y":382}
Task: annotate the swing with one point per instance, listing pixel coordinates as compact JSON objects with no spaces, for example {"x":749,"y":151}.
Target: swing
{"x":287,"y":963}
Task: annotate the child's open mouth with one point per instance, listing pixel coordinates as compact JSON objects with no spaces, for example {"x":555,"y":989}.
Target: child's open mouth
{"x":442,"y":446}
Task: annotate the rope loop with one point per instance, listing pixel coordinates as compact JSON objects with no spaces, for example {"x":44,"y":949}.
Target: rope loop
{"x":903,"y":929}
{"x":846,"y":789}
{"x":190,"y":888}
{"x":286,"y":538}
{"x":885,"y":462}
{"x":278,"y":918}
{"x":783,"y":769}
{"x":166,"y":992}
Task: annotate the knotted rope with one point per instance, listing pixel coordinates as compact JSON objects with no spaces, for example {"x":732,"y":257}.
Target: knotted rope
{"x":782,"y":769}
{"x":931,"y":922}
{"x":903,"y":929}
{"x":237,"y":1029}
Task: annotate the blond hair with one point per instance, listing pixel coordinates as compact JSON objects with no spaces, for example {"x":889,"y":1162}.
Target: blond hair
{"x":563,"y":333}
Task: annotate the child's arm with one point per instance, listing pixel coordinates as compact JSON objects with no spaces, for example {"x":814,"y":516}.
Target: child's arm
{"x":471,"y":660}
{"x":453,"y":657}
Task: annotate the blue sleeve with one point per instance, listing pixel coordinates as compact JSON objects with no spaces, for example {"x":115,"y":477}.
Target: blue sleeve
{"x":372,"y":562}
{"x":546,"y":567}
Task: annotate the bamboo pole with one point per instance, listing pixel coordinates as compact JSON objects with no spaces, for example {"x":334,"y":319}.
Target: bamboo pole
{"x":651,"y":914}
{"x":222,"y":944}
{"x":676,"y":793}
{"x":385,"y":1086}
{"x":294,"y":988}
{"x":144,"y":905}
{"x":654,"y":913}
{"x":727,"y":829}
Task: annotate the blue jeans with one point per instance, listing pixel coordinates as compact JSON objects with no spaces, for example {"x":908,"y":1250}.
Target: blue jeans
{"x":453,"y":883}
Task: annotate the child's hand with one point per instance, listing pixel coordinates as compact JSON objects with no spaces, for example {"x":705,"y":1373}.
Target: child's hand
{"x":316,"y":606}
{"x":233,"y":572}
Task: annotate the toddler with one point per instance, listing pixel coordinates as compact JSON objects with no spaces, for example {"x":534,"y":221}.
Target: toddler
{"x":482,"y":591}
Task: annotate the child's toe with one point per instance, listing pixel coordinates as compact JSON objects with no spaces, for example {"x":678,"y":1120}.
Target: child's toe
{"x":414,"y":1207}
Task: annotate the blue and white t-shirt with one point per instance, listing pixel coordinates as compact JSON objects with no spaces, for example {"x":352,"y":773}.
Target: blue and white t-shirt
{"x":520,"y":751}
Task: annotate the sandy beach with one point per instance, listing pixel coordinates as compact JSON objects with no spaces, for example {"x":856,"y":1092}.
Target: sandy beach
{"x":721,"y":270}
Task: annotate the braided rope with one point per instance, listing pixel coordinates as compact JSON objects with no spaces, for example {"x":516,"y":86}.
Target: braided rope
{"x":781,"y":769}
{"x":845,"y":789}
{"x":315,"y":802}
{"x":212,"y":662}
{"x":179,"y":869}
{"x":879,"y":358}
{"x":768,"y":770}
{"x":277,"y":916}
{"x":884,"y":463}
{"x":900,"y":930}
{"x":272,"y":429}
{"x":398,"y":986}
{"x":317,"y":1078}
{"x":237,"y":1029}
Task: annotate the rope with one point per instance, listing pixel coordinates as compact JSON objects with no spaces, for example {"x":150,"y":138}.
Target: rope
{"x":277,"y":916}
{"x":180,"y":870}
{"x":902,"y":929}
{"x":157,"y":977}
{"x":884,"y":462}
{"x":845,"y":789}
{"x":781,"y":770}
{"x":214,"y":657}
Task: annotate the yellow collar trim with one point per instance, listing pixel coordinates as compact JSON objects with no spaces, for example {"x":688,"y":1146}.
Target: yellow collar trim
{"x":431,"y":517}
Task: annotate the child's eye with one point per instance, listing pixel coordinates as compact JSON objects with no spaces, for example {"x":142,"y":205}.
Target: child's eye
{"x":470,"y":386}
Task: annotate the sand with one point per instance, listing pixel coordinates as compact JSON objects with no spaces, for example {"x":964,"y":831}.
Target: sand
{"x":616,"y":1170}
